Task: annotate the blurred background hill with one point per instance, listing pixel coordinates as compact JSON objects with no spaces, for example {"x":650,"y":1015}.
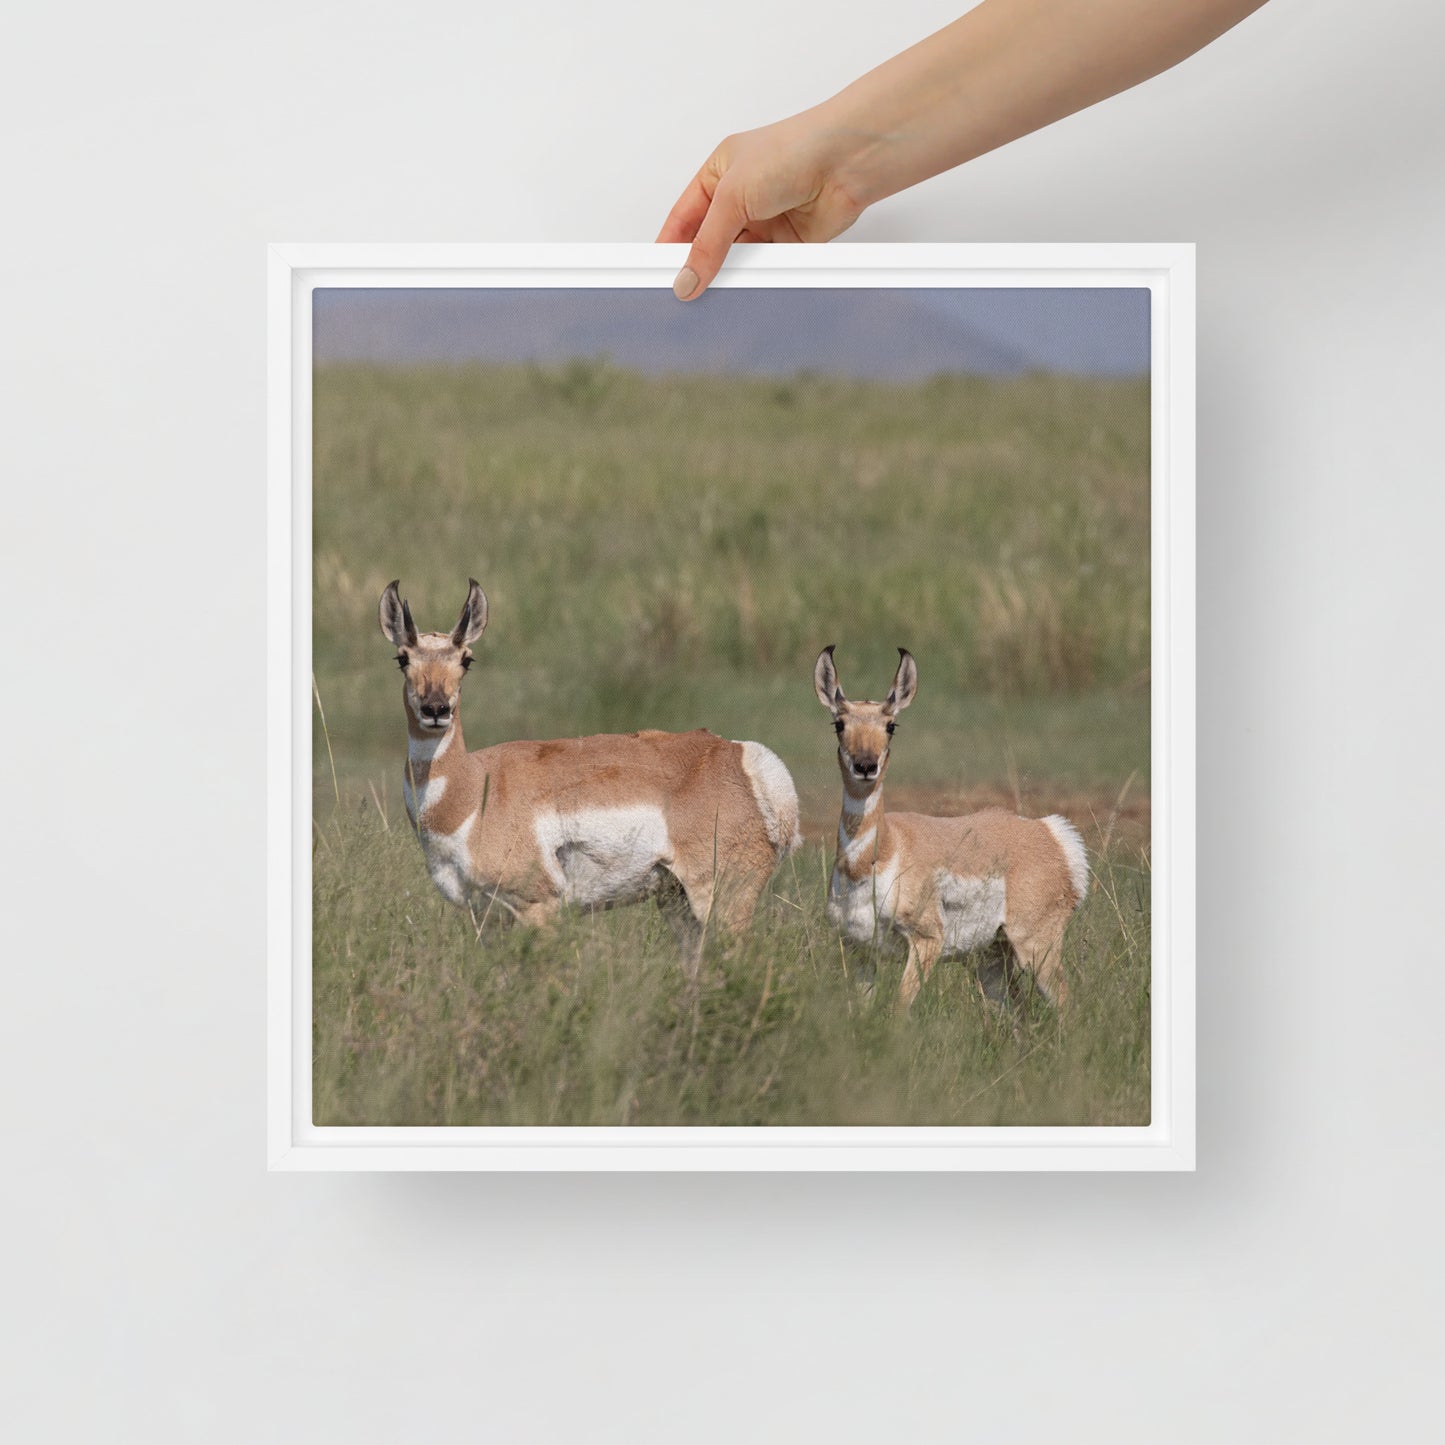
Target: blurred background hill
{"x":867,"y":334}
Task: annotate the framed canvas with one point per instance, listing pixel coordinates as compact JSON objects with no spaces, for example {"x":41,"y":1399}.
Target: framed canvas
{"x":523,"y":491}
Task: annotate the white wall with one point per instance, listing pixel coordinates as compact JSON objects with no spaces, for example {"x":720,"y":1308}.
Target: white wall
{"x":160,"y":1286}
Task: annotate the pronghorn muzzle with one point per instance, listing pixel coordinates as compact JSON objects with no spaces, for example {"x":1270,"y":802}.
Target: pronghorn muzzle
{"x":436,"y":712}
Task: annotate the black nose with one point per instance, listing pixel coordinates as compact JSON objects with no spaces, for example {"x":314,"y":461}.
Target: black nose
{"x":435,"y":710}
{"x":867,"y":769}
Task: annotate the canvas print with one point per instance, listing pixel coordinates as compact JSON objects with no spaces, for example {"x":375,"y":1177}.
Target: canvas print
{"x":731,"y":714}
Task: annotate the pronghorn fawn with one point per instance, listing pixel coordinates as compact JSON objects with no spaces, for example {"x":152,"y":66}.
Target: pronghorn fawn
{"x":948,"y":885}
{"x":690,"y":819}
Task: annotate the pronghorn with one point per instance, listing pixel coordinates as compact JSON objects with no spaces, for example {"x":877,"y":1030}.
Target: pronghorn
{"x":947,"y":884}
{"x":688,"y":818}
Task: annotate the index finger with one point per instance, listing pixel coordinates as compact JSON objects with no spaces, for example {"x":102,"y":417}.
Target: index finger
{"x":686,"y":216}
{"x":726,"y":220}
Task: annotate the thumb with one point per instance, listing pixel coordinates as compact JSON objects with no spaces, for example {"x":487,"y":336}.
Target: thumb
{"x":725,"y":221}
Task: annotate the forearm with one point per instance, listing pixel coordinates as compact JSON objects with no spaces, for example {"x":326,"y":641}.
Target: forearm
{"x":1006,"y":68}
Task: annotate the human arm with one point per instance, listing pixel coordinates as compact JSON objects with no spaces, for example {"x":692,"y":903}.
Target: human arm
{"x":1004,"y":69}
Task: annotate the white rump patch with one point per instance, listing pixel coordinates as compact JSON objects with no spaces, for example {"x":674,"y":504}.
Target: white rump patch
{"x":1074,"y":854}
{"x":970,"y":909}
{"x":604,"y":855}
{"x":776,"y":797}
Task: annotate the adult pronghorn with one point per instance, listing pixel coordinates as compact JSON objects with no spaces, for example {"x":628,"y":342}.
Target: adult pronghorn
{"x":687,"y":818}
{"x":947,"y":884}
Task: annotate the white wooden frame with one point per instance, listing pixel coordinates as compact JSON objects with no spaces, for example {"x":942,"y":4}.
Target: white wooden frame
{"x":1167,"y":1142}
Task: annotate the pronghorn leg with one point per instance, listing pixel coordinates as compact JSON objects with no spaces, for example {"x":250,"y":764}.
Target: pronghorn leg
{"x":680,"y":909}
{"x":992,"y":974}
{"x":923,"y":953}
{"x":908,"y":989}
{"x":865,"y":974}
{"x":717,"y":901}
{"x":1041,"y":954}
{"x":997,"y":979}
{"x":1048,"y":970}
{"x":735,"y":900}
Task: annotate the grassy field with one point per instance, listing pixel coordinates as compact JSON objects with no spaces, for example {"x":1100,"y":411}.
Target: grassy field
{"x":673,"y":553}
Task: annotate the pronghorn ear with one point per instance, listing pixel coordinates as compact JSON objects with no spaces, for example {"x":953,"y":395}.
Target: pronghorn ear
{"x":905,"y":682}
{"x":396,"y":624}
{"x":825,"y":680}
{"x":474,"y":617}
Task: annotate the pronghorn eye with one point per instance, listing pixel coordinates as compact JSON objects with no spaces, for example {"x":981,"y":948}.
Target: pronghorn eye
{"x":838,"y":726}
{"x":892,"y":728}
{"x":401,"y":660}
{"x":466,"y":663}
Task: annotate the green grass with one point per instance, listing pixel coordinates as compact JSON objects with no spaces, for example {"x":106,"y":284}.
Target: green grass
{"x":673,"y":553}
{"x":591,"y":1022}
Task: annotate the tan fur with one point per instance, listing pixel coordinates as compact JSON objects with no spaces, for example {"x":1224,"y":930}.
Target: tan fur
{"x":905,"y":870}
{"x":477,"y":813}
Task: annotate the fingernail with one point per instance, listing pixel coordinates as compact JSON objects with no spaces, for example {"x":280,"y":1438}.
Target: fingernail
{"x":685,"y":284}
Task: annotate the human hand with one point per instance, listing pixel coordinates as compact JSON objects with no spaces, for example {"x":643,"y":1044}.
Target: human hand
{"x":782,"y":182}
{"x":1002,"y":70}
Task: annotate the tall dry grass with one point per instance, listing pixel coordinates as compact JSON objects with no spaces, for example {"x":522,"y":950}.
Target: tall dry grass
{"x":591,"y":1021}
